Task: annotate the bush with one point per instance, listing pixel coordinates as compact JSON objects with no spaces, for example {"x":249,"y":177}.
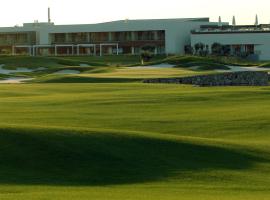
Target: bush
{"x":216,"y":49}
{"x":146,"y":56}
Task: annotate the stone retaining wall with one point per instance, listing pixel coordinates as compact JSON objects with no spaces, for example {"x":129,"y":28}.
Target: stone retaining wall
{"x":248,"y":78}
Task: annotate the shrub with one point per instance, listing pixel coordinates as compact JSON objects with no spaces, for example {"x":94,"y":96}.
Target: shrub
{"x":216,"y":49}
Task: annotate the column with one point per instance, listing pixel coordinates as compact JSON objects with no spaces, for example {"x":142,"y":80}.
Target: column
{"x":13,"y":50}
{"x":156,"y":51}
{"x":110,"y":51}
{"x":132,"y":50}
{"x":117,"y":49}
{"x":72,"y":50}
{"x":88,"y":50}
{"x":78,"y":50}
{"x":34,"y":51}
{"x":29,"y":50}
{"x":100,"y":50}
{"x":55,"y":50}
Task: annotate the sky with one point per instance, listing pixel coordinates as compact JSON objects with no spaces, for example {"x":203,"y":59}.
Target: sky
{"x":17,"y":12}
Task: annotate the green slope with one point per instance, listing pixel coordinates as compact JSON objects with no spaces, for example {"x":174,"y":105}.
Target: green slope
{"x":133,"y":141}
{"x":84,"y":157}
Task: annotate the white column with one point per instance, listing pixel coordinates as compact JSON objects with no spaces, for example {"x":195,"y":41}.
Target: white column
{"x":110,"y":51}
{"x":100,"y":50}
{"x":132,"y":50}
{"x":78,"y":50}
{"x":13,"y":50}
{"x":117,"y":49}
{"x":155,"y":50}
{"x":88,"y":50}
{"x":29,"y":51}
{"x":55,"y":50}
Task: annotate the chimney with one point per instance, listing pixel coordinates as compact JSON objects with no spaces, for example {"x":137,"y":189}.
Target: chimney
{"x":49,"y":15}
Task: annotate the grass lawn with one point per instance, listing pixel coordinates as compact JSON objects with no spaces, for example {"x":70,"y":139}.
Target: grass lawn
{"x":133,"y":141}
{"x":104,"y":135}
{"x":117,"y":75}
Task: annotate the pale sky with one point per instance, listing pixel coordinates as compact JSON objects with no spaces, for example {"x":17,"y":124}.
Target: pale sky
{"x":14,"y":12}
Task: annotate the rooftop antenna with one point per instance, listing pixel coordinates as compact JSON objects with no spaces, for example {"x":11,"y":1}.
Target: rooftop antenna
{"x":49,"y":15}
{"x":256,"y":20}
{"x":233,"y":21}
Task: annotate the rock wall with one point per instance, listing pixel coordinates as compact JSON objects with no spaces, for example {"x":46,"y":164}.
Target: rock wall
{"x":248,"y":78}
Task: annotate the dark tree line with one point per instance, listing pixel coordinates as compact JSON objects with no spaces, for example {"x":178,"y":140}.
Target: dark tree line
{"x":203,"y":50}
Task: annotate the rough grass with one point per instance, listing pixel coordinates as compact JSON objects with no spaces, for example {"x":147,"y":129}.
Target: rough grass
{"x":133,"y":141}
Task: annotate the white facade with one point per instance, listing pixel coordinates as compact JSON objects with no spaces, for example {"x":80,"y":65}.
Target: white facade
{"x":260,"y":40}
{"x":177,"y":31}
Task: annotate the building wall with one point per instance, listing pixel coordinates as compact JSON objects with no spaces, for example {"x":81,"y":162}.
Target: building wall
{"x":177,"y":31}
{"x":260,"y":40}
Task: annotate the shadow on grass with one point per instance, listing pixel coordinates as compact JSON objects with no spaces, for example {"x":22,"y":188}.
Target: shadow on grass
{"x":80,"y":79}
{"x":60,"y":157}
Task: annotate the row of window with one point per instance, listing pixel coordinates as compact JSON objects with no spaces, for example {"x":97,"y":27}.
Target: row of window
{"x":17,"y":38}
{"x":107,"y":36}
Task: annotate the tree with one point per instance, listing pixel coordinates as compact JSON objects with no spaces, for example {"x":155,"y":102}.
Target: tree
{"x":207,"y":49}
{"x":188,"y":50}
{"x":147,"y":53}
{"x":226,"y":50}
{"x":216,"y":49}
{"x":199,"y":47}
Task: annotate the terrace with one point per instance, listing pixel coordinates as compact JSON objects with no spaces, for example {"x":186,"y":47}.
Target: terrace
{"x":128,"y":42}
{"x":220,"y":29}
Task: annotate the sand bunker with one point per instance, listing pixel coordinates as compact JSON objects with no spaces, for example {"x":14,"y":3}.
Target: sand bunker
{"x":15,"y":80}
{"x":67,"y":71}
{"x":19,"y":69}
